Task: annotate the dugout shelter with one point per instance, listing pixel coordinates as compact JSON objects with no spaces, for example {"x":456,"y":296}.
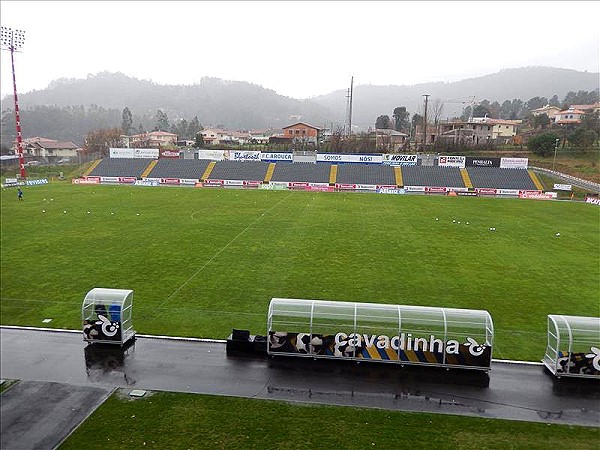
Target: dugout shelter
{"x":573,"y":348}
{"x":106,"y":315}
{"x":411,"y":335}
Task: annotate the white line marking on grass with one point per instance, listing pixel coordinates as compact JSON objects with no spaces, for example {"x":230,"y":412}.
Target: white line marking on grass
{"x":203,"y":266}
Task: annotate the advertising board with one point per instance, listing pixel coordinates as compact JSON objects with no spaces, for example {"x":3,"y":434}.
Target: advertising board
{"x":473,"y":161}
{"x":164,"y":153}
{"x":252,"y":184}
{"x":297,"y":185}
{"x":451,"y":161}
{"x":414,"y":188}
{"x":514,"y":192}
{"x":435,"y":190}
{"x":399,"y":160}
{"x":403,"y":347}
{"x":592,"y":200}
{"x":172,"y":181}
{"x":214,"y":155}
{"x":514,"y":163}
{"x":349,"y":158}
{"x":210,"y":183}
{"x":387,"y":190}
{"x":147,"y":153}
{"x":188,"y":181}
{"x":366,"y":187}
{"x":563,"y":187}
{"x":486,"y":191}
{"x":147,"y":182}
{"x":84,"y":181}
{"x":345,"y":186}
{"x":537,"y":195}
{"x":233,"y":183}
{"x":245,"y":155}
{"x":276,"y":157}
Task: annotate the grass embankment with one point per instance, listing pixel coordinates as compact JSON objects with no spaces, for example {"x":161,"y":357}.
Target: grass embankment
{"x":202,"y":261}
{"x":166,"y":420}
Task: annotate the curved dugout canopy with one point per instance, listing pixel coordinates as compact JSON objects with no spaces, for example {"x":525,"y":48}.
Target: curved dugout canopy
{"x":573,"y":346}
{"x":106,"y":315}
{"x":380,"y":332}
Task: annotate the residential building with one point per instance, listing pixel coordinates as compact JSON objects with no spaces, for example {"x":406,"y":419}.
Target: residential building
{"x":569,"y":116}
{"x":302,"y":132}
{"x":465,"y":133}
{"x":588,"y":109}
{"x":153,"y":139}
{"x":53,"y":150}
{"x":391,"y":140}
{"x":500,"y":128}
{"x":550,"y":111}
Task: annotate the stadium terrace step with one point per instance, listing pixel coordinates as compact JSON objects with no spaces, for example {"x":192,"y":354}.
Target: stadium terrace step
{"x":92,"y":167}
{"x":333,"y":174}
{"x":146,"y":172}
{"x":398,"y":175}
{"x":535,"y":180}
{"x":466,"y":179}
{"x":269,"y":172}
{"x":208,"y":170}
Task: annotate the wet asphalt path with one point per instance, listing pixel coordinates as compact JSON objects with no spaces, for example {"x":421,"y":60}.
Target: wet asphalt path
{"x":518,"y":392}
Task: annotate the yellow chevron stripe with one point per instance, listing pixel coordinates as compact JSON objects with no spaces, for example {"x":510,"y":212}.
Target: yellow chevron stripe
{"x":398,"y":174}
{"x":146,"y":172}
{"x":92,"y":167}
{"x":392,"y":354}
{"x":373,"y":353}
{"x":269,"y":174}
{"x":208,"y":170}
{"x":535,"y":180}
{"x":466,"y":178}
{"x":412,"y":356}
{"x":430,"y":357}
{"x":333,"y":174}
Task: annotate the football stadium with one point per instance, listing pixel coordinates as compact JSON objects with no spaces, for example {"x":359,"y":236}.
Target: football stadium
{"x":422,"y":257}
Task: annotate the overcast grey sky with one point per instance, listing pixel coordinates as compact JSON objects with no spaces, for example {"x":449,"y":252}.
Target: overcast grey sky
{"x":298,"y":49}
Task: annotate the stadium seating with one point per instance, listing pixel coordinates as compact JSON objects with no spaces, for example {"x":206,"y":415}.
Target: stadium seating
{"x":235,"y":170}
{"x":179,"y":168}
{"x":120,"y":167}
{"x":302,"y":172}
{"x":432,"y":176}
{"x":365,"y":174}
{"x":492,"y":177}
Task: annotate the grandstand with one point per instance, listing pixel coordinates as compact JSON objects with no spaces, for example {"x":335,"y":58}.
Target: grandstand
{"x":179,"y":168}
{"x":492,"y":177}
{"x":432,"y":176}
{"x":120,"y":167}
{"x":235,"y":170}
{"x":365,"y":174}
{"x":302,"y":172}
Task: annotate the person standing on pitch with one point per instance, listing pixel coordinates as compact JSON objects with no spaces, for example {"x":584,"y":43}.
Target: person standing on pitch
{"x":20,"y":194}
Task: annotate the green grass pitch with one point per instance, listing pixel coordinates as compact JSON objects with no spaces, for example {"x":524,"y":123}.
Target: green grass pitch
{"x":203,"y":261}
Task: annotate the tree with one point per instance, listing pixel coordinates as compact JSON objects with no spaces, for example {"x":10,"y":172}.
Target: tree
{"x":383,"y":122}
{"x":554,"y":101}
{"x":199,"y":140}
{"x":127,"y":121}
{"x":481,"y":111}
{"x":543,"y":144}
{"x":401,"y":116}
{"x":582,"y":137}
{"x":541,"y":121}
{"x":100,"y":141}
{"x":194,"y":127}
{"x":162,"y":121}
{"x":581,"y":98}
{"x":437,"y":108}
{"x":536,"y":102}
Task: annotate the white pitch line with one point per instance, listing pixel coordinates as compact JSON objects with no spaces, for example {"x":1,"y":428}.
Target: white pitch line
{"x":219,"y":252}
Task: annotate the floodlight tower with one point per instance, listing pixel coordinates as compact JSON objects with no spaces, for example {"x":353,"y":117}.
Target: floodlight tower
{"x":13,"y":40}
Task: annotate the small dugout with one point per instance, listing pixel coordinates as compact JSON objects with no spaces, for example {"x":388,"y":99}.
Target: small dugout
{"x":411,"y":335}
{"x":573,"y":348}
{"x":106,"y":315}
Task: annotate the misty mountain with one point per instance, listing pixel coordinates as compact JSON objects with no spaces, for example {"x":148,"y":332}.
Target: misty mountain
{"x":69,"y":108}
{"x":369,"y":101}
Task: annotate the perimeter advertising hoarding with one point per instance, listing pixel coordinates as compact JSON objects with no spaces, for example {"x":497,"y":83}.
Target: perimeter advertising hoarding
{"x":592,"y":200}
{"x":213,"y":155}
{"x":399,"y":160}
{"x":235,"y":155}
{"x":563,"y":187}
{"x":147,"y":153}
{"x":538,"y":195}
{"x":349,"y":158}
{"x":169,"y":153}
{"x":276,"y":157}
{"x":473,"y":161}
{"x":451,"y":161}
{"x":514,"y":163}
{"x":403,"y":348}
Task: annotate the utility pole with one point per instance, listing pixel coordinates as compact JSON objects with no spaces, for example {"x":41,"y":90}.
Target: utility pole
{"x":425,"y":122}
{"x":349,"y":107}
